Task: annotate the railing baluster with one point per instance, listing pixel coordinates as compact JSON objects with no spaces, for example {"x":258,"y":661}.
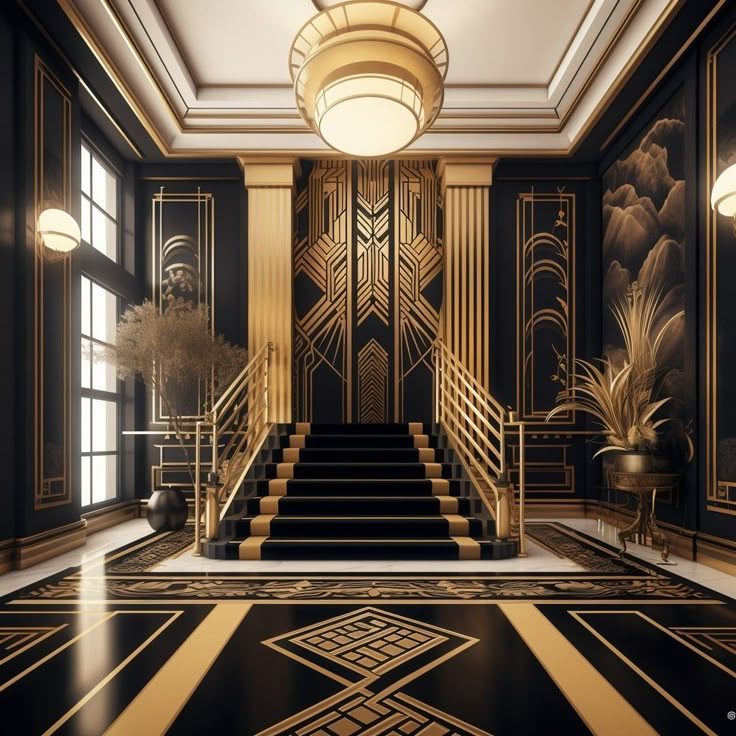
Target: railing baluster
{"x":477,"y":425}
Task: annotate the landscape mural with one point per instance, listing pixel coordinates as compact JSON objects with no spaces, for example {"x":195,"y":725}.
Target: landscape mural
{"x":644,"y":242}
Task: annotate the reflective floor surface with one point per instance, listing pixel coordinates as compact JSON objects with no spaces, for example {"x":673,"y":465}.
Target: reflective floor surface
{"x":575,"y":639}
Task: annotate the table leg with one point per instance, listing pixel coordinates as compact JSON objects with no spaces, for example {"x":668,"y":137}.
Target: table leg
{"x":656,"y":532}
{"x":635,"y":526}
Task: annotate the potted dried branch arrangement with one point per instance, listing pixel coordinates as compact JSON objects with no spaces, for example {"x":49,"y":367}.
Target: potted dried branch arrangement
{"x":625,"y":401}
{"x":170,"y":353}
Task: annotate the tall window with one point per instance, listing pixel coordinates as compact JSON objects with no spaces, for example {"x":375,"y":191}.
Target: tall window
{"x":99,"y":204}
{"x":100,"y":396}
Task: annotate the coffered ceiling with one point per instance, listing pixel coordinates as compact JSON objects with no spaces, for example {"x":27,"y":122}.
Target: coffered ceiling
{"x":525,"y":76}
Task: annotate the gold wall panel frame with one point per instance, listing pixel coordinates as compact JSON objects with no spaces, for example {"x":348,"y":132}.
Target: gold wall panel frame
{"x":57,"y":490}
{"x":559,"y":236}
{"x":715,"y":490}
{"x":204,"y":253}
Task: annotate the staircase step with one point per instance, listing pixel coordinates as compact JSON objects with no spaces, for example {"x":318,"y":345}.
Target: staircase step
{"x":265,"y":548}
{"x":358,"y":527}
{"x":406,"y":428}
{"x":334,"y":441}
{"x":359,"y":470}
{"x":357,"y":505}
{"x":371,"y":455}
{"x":360,"y":487}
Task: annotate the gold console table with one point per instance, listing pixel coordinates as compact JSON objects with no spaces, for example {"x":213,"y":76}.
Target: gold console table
{"x":645,"y":487}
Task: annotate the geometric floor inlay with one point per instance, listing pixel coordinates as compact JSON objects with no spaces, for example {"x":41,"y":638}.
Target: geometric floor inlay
{"x":373,"y":653}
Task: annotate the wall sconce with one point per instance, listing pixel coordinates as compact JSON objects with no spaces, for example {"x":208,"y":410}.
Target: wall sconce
{"x":723,"y":196}
{"x":59,"y":232}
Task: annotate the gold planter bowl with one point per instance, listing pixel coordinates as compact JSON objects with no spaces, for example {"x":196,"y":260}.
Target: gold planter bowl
{"x":633,"y":462}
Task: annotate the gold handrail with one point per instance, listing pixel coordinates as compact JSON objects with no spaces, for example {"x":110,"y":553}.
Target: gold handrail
{"x":477,"y":424}
{"x":237,"y":426}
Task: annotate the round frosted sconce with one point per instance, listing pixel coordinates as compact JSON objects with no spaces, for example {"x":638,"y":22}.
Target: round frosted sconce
{"x":723,"y":196}
{"x":368,"y":75}
{"x":59,"y":231}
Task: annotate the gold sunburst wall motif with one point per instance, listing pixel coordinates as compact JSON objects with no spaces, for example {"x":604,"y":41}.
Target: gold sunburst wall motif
{"x":367,"y":290}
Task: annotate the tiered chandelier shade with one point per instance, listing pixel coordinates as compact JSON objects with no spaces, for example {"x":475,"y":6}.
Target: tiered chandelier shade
{"x":368,"y":76}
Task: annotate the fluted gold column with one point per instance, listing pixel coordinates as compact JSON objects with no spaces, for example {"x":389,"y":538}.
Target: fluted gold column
{"x":270,"y":187}
{"x":466,"y":298}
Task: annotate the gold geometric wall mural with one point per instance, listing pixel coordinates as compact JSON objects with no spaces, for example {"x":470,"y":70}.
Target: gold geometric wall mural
{"x":367,"y":290}
{"x":372,"y":240}
{"x":418,"y":274}
{"x":322,"y":269}
{"x":373,"y":383}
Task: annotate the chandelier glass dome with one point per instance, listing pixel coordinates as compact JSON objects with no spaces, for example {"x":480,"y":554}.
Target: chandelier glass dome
{"x":368,"y":75}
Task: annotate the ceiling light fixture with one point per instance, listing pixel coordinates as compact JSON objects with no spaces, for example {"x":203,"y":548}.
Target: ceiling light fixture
{"x":368,"y":75}
{"x":723,"y":196}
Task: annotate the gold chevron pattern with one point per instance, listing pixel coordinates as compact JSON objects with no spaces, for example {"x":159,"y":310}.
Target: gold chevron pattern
{"x":419,"y":259}
{"x":321,"y":256}
{"x":373,"y":383}
{"x":372,"y":240}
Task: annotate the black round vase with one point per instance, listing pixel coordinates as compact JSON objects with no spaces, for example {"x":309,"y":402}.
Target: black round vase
{"x":167,"y":510}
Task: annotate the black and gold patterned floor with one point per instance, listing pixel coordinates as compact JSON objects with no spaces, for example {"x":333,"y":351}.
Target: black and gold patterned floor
{"x":621,"y":648}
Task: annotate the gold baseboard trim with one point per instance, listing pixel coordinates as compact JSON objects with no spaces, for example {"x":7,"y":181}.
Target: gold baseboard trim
{"x":426,"y":455}
{"x":421,"y":440}
{"x":291,"y":454}
{"x":297,"y":440}
{"x":31,"y":550}
{"x":545,"y":509}
{"x":440,"y":487}
{"x":302,"y":427}
{"x":416,"y":428}
{"x":113,"y":515}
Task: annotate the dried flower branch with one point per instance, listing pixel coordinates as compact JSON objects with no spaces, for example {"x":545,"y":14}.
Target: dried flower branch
{"x":170,"y":353}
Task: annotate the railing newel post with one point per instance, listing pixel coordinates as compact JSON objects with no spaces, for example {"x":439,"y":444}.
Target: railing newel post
{"x":197,"y":490}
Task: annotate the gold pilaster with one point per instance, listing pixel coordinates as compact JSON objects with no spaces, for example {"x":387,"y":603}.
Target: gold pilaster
{"x":466,"y":298}
{"x":270,"y":184}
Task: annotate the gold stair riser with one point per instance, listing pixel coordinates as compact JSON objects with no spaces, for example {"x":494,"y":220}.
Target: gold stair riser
{"x":293,"y":454}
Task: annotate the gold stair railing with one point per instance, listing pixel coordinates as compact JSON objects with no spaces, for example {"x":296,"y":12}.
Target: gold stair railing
{"x":477,"y":425}
{"x":236,"y":428}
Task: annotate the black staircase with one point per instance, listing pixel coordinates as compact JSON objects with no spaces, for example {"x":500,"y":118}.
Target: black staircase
{"x":357,"y":491}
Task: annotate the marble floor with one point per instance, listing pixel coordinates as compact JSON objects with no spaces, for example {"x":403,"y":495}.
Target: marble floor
{"x":573,"y":639}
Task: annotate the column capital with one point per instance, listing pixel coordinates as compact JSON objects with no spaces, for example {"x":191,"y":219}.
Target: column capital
{"x":269,"y":172}
{"x":466,"y":172}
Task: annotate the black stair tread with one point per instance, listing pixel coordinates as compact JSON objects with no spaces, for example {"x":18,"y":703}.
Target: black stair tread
{"x":351,"y":455}
{"x":369,"y":549}
{"x":350,"y":505}
{"x":378,"y":487}
{"x":355,"y":440}
{"x":350,"y":471}
{"x":397,"y":428}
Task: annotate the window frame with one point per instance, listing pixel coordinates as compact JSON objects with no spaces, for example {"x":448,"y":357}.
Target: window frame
{"x":96,"y":394}
{"x":95,"y":154}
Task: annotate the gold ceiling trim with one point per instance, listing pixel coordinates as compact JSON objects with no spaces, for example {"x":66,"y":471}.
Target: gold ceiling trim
{"x":151,"y":128}
{"x":665,"y":71}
